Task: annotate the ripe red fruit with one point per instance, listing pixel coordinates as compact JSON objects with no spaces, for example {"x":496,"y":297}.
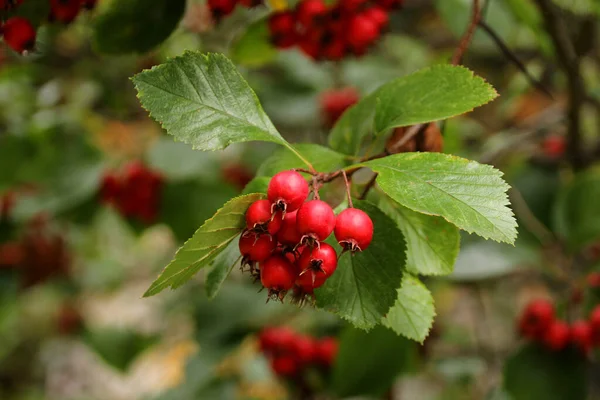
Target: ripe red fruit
{"x":581,"y":335}
{"x":309,"y":12}
{"x":315,"y":220}
{"x":316,"y":265}
{"x":554,"y":146}
{"x":256,"y":247}
{"x":389,"y":4}
{"x":334,"y":102}
{"x":595,"y":326}
{"x":277,"y":274}
{"x":304,"y":349}
{"x":378,"y":15}
{"x":64,"y":11}
{"x":351,"y":6}
{"x":282,"y":26}
{"x":536,"y":319}
{"x":284,"y":365}
{"x":327,"y":349}
{"x":288,"y":233}
{"x":287,"y":190}
{"x":221,"y":8}
{"x":260,"y":218}
{"x":557,"y":335}
{"x":273,"y":340}
{"x":335,"y":50}
{"x":362,"y":31}
{"x":353,"y":229}
{"x":593,"y":280}
{"x":19,"y":34}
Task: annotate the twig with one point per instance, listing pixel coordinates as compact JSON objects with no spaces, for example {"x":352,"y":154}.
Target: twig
{"x":411,"y":133}
{"x":466,"y":39}
{"x":570,"y":63}
{"x":368,"y":187}
{"x":508,"y":53}
{"x":347,"y":183}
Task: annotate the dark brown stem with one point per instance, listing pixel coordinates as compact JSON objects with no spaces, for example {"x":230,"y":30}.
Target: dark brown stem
{"x":569,"y":61}
{"x":410,"y":134}
{"x":368,"y":187}
{"x":468,"y":36}
{"x":347,"y":183}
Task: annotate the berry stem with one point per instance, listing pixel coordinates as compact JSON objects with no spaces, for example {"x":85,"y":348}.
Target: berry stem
{"x":466,"y":39}
{"x":368,"y":187}
{"x":347,"y":183}
{"x":291,"y":148}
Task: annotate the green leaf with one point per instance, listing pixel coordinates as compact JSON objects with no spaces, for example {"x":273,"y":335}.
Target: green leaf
{"x":221,"y":267}
{"x":322,"y":158}
{"x":432,"y":94}
{"x":470,"y":195}
{"x":413,"y":313}
{"x":363,"y":288}
{"x":537,"y":373}
{"x":576,"y":214}
{"x":254,"y":48}
{"x":202,"y":100}
{"x":257,"y":185}
{"x":432,"y":242}
{"x":206,"y":244}
{"x":581,"y":7}
{"x":356,"y":123}
{"x":369,"y":362}
{"x":138,"y":26}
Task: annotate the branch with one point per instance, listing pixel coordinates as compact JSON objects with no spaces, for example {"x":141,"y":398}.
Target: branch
{"x":570,"y":63}
{"x":466,"y":39}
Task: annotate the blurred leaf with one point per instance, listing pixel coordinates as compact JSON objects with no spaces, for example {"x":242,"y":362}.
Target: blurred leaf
{"x":479,"y":260}
{"x":202,"y":100}
{"x":576,"y":213}
{"x":177,"y":161}
{"x":369,"y":363}
{"x":470,"y":195}
{"x":581,"y":7}
{"x":539,"y":188}
{"x":432,"y":242}
{"x":322,"y":158}
{"x":206,"y":244}
{"x":254,"y":48}
{"x":137,"y":26}
{"x":221,"y":267}
{"x":356,"y":123}
{"x":364,"y":286}
{"x":413,"y":313}
{"x":537,"y":373}
{"x":118,"y":347}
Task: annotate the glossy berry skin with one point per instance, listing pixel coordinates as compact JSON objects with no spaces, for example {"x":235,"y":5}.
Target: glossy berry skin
{"x":581,"y":336}
{"x":256,"y":247}
{"x":260,"y":218}
{"x":284,"y":365}
{"x":277,"y":273}
{"x":64,"y":11}
{"x":288,"y":233}
{"x":536,"y":319}
{"x":595,"y":326}
{"x":556,"y":337}
{"x":315,"y":219}
{"x":362,"y":31}
{"x":379,"y":16}
{"x":353,"y":229}
{"x":310,"y":11}
{"x":327,"y":349}
{"x":287,"y":190}
{"x":19,"y":34}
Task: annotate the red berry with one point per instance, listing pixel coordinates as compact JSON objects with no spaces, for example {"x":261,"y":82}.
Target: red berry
{"x":353,"y":229}
{"x":274,"y":340}
{"x":362,"y":31}
{"x":260,"y":218}
{"x":334,"y":102}
{"x":316,"y":220}
{"x":256,"y":247}
{"x":221,"y":8}
{"x":310,"y":281}
{"x":284,"y":365}
{"x":287,"y":190}
{"x":316,"y":265}
{"x":389,"y":4}
{"x":310,"y":11}
{"x":304,"y":349}
{"x":335,"y":50}
{"x":351,"y":6}
{"x":554,"y":146}
{"x":378,"y":15}
{"x":19,"y":34}
{"x":277,"y":274}
{"x":536,"y":319}
{"x":310,"y":47}
{"x":288,"y":233}
{"x":557,"y":335}
{"x":593,"y":280}
{"x":327,"y":349}
{"x":595,"y":326}
{"x":110,"y":188}
{"x":64,"y":11}
{"x":282,"y":26}
{"x":581,"y":335}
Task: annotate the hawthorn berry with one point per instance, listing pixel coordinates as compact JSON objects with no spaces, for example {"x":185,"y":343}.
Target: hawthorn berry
{"x":334,"y":102}
{"x":536,"y":319}
{"x":595,"y":326}
{"x":260,"y":218}
{"x":304,"y":349}
{"x":554,"y":146}
{"x":581,"y":335}
{"x":351,"y":6}
{"x":277,"y":274}
{"x":379,"y":16}
{"x":64,"y":11}
{"x":326,"y":351}
{"x":593,"y":280}
{"x":274,"y":340}
{"x":556,"y":337}
{"x":309,"y":12}
{"x":315,"y":220}
{"x":19,"y":34}
{"x":282,"y":26}
{"x":288,"y":234}
{"x":221,"y":8}
{"x":353,"y":229}
{"x":287,"y":190}
{"x":316,"y":264}
{"x":284,"y":365}
{"x":362,"y":31}
{"x":256,"y":248}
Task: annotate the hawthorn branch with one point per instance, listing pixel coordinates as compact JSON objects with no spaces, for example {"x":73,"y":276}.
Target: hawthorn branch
{"x":347,"y":183}
{"x":468,"y":36}
{"x":368,"y":186}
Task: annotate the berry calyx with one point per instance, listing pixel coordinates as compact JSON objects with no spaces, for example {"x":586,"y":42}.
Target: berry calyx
{"x":287,"y":190}
{"x":278,"y":275}
{"x":256,"y":248}
{"x":316,"y":264}
{"x":288,"y":234}
{"x":557,"y":336}
{"x":260,"y":218}
{"x":581,"y":336}
{"x":19,"y":34}
{"x":353,"y":229}
{"x":536,"y":319}
{"x":315,"y":220}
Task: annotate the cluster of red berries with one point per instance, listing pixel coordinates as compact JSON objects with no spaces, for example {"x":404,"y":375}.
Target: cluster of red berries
{"x":284,"y":241}
{"x":18,"y":32}
{"x":539,"y":323}
{"x":330,"y":32}
{"x":291,"y":353}
{"x":222,"y":8}
{"x":334,"y":102}
{"x":135,"y":192}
